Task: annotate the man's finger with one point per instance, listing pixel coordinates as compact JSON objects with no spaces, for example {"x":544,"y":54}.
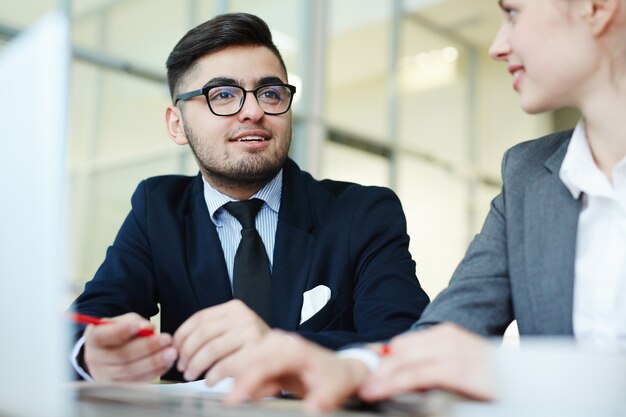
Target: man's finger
{"x":201,"y":335}
{"x":211,"y":352}
{"x":213,"y":315}
{"x":144,"y":369}
{"x":250,"y":369}
{"x":133,"y":350}
{"x":114,"y":333}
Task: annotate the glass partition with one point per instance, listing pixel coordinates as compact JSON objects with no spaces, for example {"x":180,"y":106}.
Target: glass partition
{"x":434,"y":130}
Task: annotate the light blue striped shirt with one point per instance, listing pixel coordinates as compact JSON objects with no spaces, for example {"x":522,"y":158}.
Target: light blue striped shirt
{"x":228,"y":227}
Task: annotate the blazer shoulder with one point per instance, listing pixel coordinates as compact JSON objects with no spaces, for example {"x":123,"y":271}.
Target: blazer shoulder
{"x":531,"y":156}
{"x":297,"y":181}
{"x":352,"y":192}
{"x":538,"y":150}
{"x":307,"y":202}
{"x":167,"y":192}
{"x":169,"y":184}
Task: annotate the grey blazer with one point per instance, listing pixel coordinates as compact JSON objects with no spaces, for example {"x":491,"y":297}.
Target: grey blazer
{"x":521,"y":265}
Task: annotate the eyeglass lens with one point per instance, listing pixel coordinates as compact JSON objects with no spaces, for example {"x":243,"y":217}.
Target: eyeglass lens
{"x":226,"y":100}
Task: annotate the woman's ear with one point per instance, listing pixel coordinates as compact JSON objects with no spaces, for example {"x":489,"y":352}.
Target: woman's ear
{"x":599,"y":14}
{"x":175,"y":125}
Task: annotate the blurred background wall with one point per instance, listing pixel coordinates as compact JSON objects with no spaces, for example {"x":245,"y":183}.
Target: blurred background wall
{"x":399,"y":93}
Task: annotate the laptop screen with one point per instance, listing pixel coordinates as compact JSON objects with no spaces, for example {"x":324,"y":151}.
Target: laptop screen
{"x":34,"y":77}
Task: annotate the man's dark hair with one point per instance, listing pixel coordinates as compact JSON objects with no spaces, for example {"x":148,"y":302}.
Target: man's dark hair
{"x":221,"y":32}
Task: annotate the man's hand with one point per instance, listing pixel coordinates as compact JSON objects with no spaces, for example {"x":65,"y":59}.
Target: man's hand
{"x":114,"y":352}
{"x":444,"y":357}
{"x":212,"y":334}
{"x":281,"y":361}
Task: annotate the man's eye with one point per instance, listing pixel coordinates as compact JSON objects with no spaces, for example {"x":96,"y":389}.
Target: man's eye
{"x":271,"y":94}
{"x":218,"y":94}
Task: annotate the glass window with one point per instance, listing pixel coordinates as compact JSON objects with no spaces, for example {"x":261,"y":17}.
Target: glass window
{"x":19,"y":14}
{"x":116,"y":115}
{"x":434,"y":98}
{"x":500,"y":122}
{"x":139,"y":31}
{"x":285,"y":19}
{"x":358,"y":53}
{"x":345,"y":163}
{"x":117,"y":118}
{"x":118,"y":139}
{"x":436,"y":205}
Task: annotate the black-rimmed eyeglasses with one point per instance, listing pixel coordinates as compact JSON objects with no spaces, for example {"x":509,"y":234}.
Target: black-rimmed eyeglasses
{"x":226,"y":100}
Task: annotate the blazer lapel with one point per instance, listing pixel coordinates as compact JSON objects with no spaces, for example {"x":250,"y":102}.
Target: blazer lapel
{"x":293,"y":249}
{"x":551,"y":219}
{"x":205,"y":258}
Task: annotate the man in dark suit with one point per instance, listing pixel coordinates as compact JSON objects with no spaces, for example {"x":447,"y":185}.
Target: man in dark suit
{"x":334,"y":259}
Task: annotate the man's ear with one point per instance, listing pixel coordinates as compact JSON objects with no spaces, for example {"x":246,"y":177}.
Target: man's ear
{"x":600,"y":13}
{"x":175,"y":125}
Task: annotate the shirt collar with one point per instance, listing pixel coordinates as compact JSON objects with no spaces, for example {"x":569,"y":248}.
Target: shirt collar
{"x":270,"y":194}
{"x":579,"y":171}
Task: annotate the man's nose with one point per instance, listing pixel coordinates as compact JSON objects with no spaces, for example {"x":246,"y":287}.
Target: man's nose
{"x":251,"y":109}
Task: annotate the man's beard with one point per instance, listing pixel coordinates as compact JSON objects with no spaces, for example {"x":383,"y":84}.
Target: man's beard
{"x":254,"y":169}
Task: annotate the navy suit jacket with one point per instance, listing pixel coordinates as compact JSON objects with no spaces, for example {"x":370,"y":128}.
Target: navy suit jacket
{"x":345,"y":236}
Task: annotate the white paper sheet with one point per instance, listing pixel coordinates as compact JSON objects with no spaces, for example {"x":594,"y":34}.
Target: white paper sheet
{"x":222,"y":387}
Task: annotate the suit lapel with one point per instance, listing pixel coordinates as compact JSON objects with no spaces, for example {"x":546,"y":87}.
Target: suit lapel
{"x":205,"y":258}
{"x":551,"y":219}
{"x":293,"y":249}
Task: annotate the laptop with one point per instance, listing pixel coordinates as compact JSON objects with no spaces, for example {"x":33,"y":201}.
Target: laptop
{"x":34,"y":85}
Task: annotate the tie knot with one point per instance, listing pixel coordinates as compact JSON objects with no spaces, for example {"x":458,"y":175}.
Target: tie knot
{"x":244,"y":211}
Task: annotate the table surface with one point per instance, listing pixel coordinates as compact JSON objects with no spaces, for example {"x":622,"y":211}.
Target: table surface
{"x":128,"y":400}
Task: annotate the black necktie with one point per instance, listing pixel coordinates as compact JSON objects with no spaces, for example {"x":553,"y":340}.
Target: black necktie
{"x":251,"y":274}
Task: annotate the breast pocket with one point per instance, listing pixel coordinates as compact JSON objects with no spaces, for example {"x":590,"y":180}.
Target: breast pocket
{"x":326,"y":319}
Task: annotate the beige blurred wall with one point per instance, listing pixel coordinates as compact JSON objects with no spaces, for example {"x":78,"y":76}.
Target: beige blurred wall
{"x":435,"y":132}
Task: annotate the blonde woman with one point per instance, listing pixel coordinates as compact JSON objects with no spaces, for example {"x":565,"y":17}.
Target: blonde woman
{"x":552,"y":252}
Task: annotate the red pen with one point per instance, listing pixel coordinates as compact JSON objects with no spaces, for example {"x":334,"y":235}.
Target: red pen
{"x":385,"y":350}
{"x":86,"y":319}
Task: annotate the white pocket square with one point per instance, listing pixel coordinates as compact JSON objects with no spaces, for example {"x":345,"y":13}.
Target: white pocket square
{"x":313,"y":301}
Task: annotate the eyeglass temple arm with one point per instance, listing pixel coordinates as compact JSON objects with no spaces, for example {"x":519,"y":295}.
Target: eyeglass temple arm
{"x":188,"y":95}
